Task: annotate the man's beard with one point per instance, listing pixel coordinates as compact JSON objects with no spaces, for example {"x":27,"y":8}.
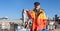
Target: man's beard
{"x":37,"y":8}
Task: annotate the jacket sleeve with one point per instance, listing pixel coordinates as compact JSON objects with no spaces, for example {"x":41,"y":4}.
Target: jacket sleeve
{"x":45,"y":19}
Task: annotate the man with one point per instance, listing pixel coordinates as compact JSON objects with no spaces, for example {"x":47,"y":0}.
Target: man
{"x":39,"y":18}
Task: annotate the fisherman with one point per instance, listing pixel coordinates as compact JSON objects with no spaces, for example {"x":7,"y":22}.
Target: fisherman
{"x":39,"y":18}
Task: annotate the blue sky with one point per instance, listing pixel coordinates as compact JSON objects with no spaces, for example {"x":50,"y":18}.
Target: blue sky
{"x":13,"y":8}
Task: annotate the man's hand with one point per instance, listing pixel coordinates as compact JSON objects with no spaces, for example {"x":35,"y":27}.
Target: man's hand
{"x":26,"y":10}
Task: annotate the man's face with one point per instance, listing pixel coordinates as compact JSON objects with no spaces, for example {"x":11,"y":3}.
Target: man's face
{"x":37,"y":7}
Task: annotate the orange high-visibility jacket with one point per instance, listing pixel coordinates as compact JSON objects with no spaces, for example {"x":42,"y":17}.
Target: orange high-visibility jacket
{"x":39,"y":22}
